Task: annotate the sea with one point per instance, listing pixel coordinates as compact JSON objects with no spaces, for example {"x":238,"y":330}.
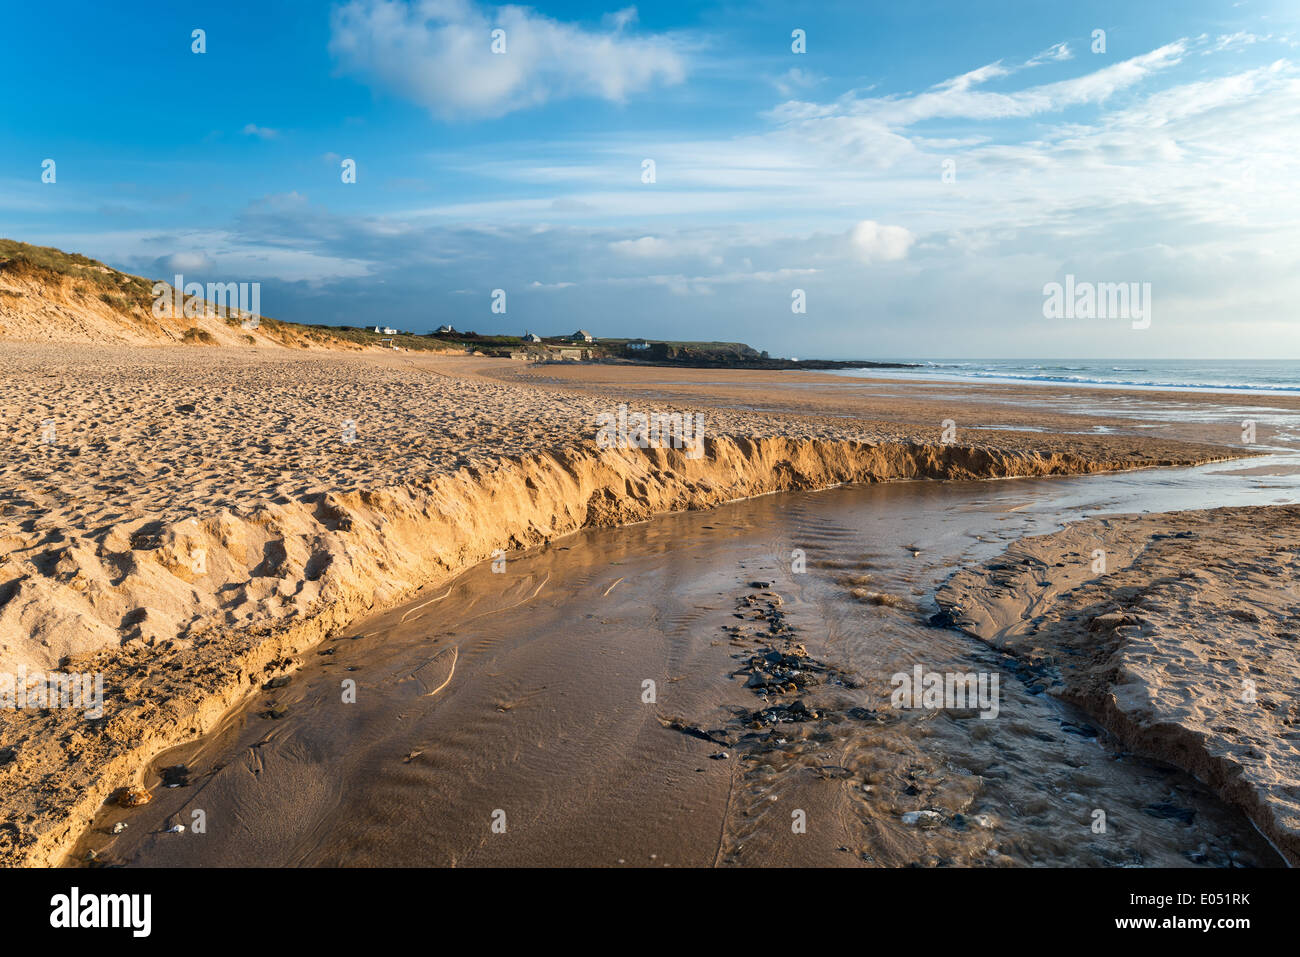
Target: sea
{"x":1254,"y":376}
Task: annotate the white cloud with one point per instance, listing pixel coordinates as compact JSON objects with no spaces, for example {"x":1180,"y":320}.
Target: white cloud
{"x":976,"y":77}
{"x":873,"y":242}
{"x":261,"y":132}
{"x":795,"y":79}
{"x":188,"y":262}
{"x":646,"y":247}
{"x":620,"y":18}
{"x":956,"y":100}
{"x":1056,"y":53}
{"x":1239,"y":39}
{"x":656,"y":247}
{"x":438,"y":53}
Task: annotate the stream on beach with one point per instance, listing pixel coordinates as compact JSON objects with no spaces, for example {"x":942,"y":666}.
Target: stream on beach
{"x":707,"y":688}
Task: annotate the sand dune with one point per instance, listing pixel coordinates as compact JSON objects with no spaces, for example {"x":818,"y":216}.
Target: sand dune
{"x":49,"y":296}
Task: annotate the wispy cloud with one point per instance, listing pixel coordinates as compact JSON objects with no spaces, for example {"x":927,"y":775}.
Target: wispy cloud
{"x":1056,"y":53}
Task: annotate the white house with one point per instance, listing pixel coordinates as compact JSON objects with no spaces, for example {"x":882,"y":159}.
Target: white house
{"x":532,"y":337}
{"x":639,"y":345}
{"x":389,"y":332}
{"x":582,"y":335}
{"x":446,"y":329}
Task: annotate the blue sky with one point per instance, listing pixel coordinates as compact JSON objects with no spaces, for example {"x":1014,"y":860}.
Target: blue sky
{"x":1169,"y":158}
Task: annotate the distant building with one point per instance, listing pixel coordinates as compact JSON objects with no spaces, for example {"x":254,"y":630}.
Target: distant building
{"x":532,"y":337}
{"x":377,"y":329}
{"x":445,"y":329}
{"x":638,"y":346}
{"x":582,"y":335}
{"x":388,"y":331}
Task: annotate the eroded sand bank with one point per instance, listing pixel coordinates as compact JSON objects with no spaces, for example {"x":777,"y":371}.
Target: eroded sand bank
{"x":770,"y":703}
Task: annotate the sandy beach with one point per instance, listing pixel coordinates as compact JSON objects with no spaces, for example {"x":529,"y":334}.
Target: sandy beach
{"x":203,"y":518}
{"x":558,"y":440}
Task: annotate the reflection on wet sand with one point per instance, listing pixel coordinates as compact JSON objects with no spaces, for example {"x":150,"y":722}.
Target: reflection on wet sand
{"x":702,"y":689}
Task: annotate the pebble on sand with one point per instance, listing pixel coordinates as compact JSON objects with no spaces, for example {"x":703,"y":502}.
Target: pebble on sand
{"x":134,"y":796}
{"x":922,"y":818}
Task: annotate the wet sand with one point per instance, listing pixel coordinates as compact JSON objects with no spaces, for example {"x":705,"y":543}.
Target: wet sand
{"x":1047,"y":411}
{"x":544,"y":719}
{"x":1184,"y":642}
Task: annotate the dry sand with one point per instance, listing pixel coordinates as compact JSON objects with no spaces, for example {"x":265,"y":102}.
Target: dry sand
{"x":198,"y":520}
